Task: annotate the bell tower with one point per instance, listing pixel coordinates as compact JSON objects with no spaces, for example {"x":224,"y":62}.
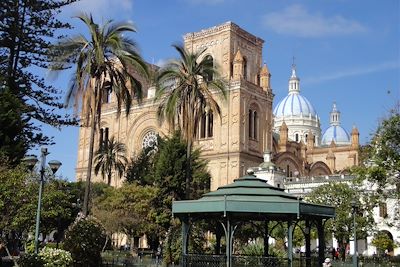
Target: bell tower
{"x":243,"y":131}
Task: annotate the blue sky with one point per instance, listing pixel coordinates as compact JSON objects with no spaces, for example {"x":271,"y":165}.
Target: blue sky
{"x":346,"y":51}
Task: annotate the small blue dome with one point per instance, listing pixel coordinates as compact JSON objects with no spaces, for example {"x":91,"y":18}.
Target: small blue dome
{"x":337,"y":134}
{"x":293,"y":105}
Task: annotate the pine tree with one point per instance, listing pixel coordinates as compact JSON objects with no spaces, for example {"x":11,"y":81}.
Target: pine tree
{"x":27,"y":28}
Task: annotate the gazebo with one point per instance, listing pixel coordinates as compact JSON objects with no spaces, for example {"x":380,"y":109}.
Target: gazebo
{"x":251,"y":199}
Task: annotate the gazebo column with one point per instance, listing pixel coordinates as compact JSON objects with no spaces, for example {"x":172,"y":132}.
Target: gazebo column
{"x":290,"y":243}
{"x":321,"y":242}
{"x":266,"y":238}
{"x":307,"y":236}
{"x":185,"y":237}
{"x":218,"y":236}
{"x":228,"y":234}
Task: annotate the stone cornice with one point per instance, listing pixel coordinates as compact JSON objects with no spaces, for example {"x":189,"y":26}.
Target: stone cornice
{"x":224,"y":27}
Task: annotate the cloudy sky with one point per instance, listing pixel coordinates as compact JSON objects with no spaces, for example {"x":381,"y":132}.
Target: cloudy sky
{"x":345,"y":51}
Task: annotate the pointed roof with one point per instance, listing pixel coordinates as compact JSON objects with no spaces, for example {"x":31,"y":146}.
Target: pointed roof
{"x":250,"y":197}
{"x":354,"y":130}
{"x":264,"y":69}
{"x":283,"y":126}
{"x":294,"y":75}
{"x":238,"y":57}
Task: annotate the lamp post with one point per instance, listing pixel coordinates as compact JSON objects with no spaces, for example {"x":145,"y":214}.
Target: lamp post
{"x":54,"y":166}
{"x":354,"y":206}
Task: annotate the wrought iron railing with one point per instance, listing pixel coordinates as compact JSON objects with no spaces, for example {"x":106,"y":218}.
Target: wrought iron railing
{"x":257,"y":261}
{"x":193,"y":260}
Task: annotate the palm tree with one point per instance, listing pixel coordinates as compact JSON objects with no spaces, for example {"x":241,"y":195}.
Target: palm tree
{"x":110,"y":156}
{"x":101,"y":66}
{"x":186,"y":88}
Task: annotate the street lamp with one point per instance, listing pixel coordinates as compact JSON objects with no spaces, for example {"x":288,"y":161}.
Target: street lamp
{"x":354,"y":206}
{"x":31,"y":161}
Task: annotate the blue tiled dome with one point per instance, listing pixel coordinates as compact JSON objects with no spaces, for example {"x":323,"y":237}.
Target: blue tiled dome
{"x":293,"y":105}
{"x":336,"y":133}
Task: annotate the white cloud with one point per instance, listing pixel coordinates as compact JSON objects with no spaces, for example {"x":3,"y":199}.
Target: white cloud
{"x":161,"y":62}
{"x":101,"y":8}
{"x":388,"y":65}
{"x":298,"y":21}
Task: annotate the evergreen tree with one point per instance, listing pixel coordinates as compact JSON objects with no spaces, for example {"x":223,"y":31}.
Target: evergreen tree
{"x":26,"y":30}
{"x":140,"y":167}
{"x":14,"y":137}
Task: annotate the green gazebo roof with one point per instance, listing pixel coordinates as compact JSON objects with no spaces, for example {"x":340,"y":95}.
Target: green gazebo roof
{"x":250,"y":197}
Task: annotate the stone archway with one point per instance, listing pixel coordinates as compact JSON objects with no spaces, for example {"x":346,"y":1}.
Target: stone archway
{"x":384,"y":243}
{"x":319,"y":168}
{"x":289,"y":163}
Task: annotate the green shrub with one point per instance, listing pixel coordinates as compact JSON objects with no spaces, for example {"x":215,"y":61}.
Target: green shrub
{"x":53,"y":257}
{"x":30,"y":260}
{"x":253,"y":249}
{"x":85,"y":239}
{"x":52,"y":245}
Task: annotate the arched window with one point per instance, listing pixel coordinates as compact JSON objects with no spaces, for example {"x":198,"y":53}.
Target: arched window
{"x":245,"y":68}
{"x":383,"y":210}
{"x":253,"y":124}
{"x":203,"y":126}
{"x":106,"y":94}
{"x":210,"y":124}
{"x":103,"y":138}
{"x":206,"y":125}
{"x":250,"y":123}
{"x":210,"y":61}
{"x":296,"y":136}
{"x":305,"y":138}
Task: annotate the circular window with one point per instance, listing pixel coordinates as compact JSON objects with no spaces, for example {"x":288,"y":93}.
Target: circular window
{"x":150,"y":140}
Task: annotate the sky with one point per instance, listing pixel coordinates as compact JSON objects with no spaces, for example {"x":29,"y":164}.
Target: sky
{"x":345,"y":51}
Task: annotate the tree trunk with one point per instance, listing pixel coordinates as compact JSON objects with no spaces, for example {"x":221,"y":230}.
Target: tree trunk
{"x":105,"y":244}
{"x":109,"y":177}
{"x":89,"y":168}
{"x":20,"y":32}
{"x":11,"y":257}
{"x":188,"y":169}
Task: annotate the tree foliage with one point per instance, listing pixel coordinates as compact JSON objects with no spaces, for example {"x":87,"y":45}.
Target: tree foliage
{"x":85,"y":239}
{"x":18,"y":206}
{"x":340,"y":196}
{"x":110,"y":157}
{"x":141,"y":166}
{"x":196,"y":81}
{"x":380,"y":168}
{"x":383,"y":242}
{"x":14,"y":135}
{"x":16,"y":194}
{"x":168,"y":173}
{"x":102,"y":65}
{"x":26,"y":32}
{"x":127,"y":209}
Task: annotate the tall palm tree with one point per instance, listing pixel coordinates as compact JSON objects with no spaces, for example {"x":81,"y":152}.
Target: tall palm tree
{"x":110,"y":156}
{"x":187,"y":87}
{"x":101,"y":66}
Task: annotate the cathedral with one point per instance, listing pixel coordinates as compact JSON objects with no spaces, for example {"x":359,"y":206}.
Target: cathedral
{"x":248,"y":129}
